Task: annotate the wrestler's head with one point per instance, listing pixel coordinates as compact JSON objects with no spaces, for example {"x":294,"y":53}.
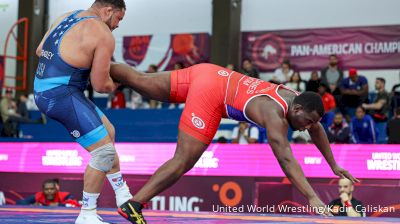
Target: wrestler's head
{"x":111,"y":11}
{"x":305,"y":110}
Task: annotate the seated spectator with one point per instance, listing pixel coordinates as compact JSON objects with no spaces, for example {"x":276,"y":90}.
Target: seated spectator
{"x":379,"y":109}
{"x":118,"y":99}
{"x":282,"y":74}
{"x":50,"y":196}
{"x":363,"y":128}
{"x":380,"y":106}
{"x":395,"y":95}
{"x":346,"y":204}
{"x":11,"y":118}
{"x":249,"y":69}
{"x":354,"y":90}
{"x":393,"y":128}
{"x":179,"y":65}
{"x":339,"y":132}
{"x":314,"y":82}
{"x":153,"y":103}
{"x":230,"y":67}
{"x":329,"y":105}
{"x":332,"y":75}
{"x":296,"y":82}
{"x":244,"y":134}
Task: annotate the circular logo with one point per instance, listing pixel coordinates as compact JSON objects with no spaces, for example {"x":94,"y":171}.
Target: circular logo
{"x":76,"y":133}
{"x":224,"y":196}
{"x":223,"y":73}
{"x":268,"y":51}
{"x":198,"y":122}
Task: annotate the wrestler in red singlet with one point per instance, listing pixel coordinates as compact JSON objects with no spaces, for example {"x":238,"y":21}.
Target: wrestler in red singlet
{"x":212,"y":92}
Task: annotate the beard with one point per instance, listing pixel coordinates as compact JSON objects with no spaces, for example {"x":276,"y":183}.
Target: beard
{"x":108,"y":22}
{"x":333,"y":63}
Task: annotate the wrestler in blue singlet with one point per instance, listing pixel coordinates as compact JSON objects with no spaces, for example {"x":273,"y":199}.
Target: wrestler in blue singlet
{"x":59,"y":87}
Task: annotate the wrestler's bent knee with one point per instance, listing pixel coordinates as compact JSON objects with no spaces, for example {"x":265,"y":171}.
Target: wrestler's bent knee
{"x":103,"y":157}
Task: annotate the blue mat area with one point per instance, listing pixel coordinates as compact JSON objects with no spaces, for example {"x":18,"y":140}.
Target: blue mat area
{"x":60,"y":215}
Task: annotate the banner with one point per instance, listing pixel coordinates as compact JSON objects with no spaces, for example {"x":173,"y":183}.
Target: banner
{"x":256,"y":160}
{"x":1,"y":70}
{"x":166,"y":50}
{"x":358,"y":47}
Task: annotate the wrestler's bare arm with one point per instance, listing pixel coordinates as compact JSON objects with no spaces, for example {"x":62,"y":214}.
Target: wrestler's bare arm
{"x":100,"y":70}
{"x":277,"y":129}
{"x":318,"y":136}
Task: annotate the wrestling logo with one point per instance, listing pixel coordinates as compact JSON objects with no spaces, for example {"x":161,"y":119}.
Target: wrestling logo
{"x":117,"y":181}
{"x":230,"y":193}
{"x":76,"y":133}
{"x":198,"y":122}
{"x":223,"y":73}
{"x":267,"y":51}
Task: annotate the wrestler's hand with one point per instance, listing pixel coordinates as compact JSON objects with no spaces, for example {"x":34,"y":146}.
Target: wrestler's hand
{"x":339,"y":171}
{"x":319,"y":207}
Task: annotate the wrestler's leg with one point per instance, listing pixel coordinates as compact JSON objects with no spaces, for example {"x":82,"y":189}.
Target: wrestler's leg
{"x":188,"y":151}
{"x":154,"y":86}
{"x":114,"y":176}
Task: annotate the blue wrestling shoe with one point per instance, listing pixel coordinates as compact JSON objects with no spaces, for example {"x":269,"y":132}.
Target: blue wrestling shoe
{"x":132,"y":211}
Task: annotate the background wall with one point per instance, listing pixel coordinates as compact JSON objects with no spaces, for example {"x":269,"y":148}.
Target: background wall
{"x":8,"y":16}
{"x":293,"y":14}
{"x":162,"y":18}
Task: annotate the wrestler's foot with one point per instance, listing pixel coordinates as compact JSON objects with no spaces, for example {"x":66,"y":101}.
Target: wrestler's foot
{"x":132,"y":211}
{"x":89,"y":217}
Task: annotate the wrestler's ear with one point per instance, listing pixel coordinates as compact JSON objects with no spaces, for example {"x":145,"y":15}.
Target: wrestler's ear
{"x":109,"y":11}
{"x":297,"y":108}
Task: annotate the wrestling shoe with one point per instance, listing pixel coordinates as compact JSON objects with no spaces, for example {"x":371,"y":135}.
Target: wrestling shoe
{"x":132,"y":211}
{"x":89,"y":217}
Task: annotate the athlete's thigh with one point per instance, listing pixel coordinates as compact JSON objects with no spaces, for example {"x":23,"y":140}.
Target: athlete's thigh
{"x":189,"y":149}
{"x":202,"y":114}
{"x":79,"y":116}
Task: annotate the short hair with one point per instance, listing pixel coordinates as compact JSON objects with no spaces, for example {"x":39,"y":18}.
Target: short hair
{"x":381,"y":79}
{"x":286,"y":62}
{"x":119,"y":4}
{"x":398,"y":111}
{"x":333,"y":55}
{"x":154,"y":67}
{"x":49,"y":181}
{"x":310,"y":102}
{"x":362,"y":108}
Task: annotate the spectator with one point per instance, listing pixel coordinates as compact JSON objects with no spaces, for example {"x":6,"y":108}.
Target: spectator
{"x":314,"y":82}
{"x":393,"y":128}
{"x":230,"y":67}
{"x":354,"y":90}
{"x":339,"y":132}
{"x":118,"y":99}
{"x":380,"y":106}
{"x":179,"y":65}
{"x":332,"y":75}
{"x":282,"y":74}
{"x":222,"y":140}
{"x":395,"y":94}
{"x":346,"y":204}
{"x":243,"y":134}
{"x":363,"y":128}
{"x":153,"y":103}
{"x":249,"y":69}
{"x":329,"y":105}
{"x":296,"y":82}
{"x":10,"y":117}
{"x":50,"y":196}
